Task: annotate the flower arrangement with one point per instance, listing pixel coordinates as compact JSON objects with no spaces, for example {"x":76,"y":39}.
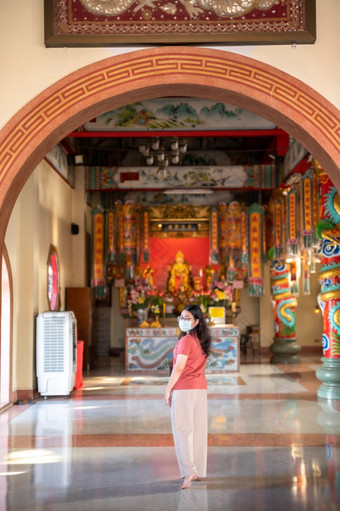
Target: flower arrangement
{"x":143,"y":295}
{"x":204,"y":300}
{"x":140,"y":295}
{"x":221,"y":293}
{"x":157,"y":304}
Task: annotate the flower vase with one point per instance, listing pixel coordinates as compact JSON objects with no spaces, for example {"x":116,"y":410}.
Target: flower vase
{"x":142,"y":315}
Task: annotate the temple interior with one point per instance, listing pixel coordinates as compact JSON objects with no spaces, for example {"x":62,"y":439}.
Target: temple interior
{"x":229,"y":224}
{"x":225,"y":218}
{"x":143,"y":171}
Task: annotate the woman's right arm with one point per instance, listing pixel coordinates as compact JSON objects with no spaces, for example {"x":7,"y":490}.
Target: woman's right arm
{"x":175,"y":374}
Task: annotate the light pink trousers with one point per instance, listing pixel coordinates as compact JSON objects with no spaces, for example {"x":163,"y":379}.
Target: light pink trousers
{"x":189,"y":418}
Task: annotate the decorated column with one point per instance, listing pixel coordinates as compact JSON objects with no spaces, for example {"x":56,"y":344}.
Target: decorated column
{"x":98,"y":266}
{"x":130,"y":238}
{"x":256,"y":243}
{"x":111,"y":236}
{"x":284,"y":348}
{"x":214,"y":254}
{"x":146,"y":236}
{"x":222,"y":238}
{"x":278,"y":222}
{"x":120,"y":230}
{"x":234,"y":238}
{"x":329,"y":299}
{"x":244,"y":246}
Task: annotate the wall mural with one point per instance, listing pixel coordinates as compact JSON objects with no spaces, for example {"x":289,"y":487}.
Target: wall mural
{"x":159,"y":198}
{"x":217,"y":177}
{"x":176,"y":114}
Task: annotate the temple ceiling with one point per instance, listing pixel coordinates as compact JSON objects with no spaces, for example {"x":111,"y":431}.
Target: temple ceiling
{"x":174,"y":145}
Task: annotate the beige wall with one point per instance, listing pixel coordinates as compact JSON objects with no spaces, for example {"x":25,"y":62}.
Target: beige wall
{"x":28,"y":67}
{"x":249,"y":314}
{"x":20,"y":241}
{"x":309,"y":325}
{"x":42,"y":216}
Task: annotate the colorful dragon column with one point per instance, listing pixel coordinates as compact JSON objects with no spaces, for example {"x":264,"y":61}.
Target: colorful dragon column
{"x":329,"y":299}
{"x":284,"y":347}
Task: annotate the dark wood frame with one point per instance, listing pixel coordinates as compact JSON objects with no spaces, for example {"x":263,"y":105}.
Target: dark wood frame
{"x":307,"y":36}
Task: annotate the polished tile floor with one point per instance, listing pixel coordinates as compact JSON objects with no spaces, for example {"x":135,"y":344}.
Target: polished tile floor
{"x":272,"y":445}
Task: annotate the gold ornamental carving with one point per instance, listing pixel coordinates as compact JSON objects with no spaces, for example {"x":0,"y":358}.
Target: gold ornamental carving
{"x":330,"y":295}
{"x":336,"y":204}
{"x":178,"y":212}
{"x":223,"y":8}
{"x":329,"y":274}
{"x":179,"y":221}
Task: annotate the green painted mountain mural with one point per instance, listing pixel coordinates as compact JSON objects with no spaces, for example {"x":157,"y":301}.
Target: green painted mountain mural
{"x":177,"y":113}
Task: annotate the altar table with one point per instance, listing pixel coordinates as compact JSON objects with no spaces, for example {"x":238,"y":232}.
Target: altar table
{"x":151,"y":349}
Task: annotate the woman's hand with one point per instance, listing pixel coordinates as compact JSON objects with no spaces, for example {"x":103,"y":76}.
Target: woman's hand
{"x":167,"y":397}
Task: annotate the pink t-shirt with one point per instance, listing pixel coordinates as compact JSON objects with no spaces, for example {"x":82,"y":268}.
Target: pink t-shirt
{"x":193,"y":375}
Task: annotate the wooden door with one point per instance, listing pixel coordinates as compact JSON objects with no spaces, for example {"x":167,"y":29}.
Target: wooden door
{"x":80,"y":301}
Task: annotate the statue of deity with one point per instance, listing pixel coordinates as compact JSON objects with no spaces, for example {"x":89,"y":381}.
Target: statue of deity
{"x":198,"y":286}
{"x":180,"y":278}
{"x":209,"y":275}
{"x":148,"y":275}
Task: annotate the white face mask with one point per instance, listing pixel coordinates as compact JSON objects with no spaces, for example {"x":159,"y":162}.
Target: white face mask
{"x":185,"y":325}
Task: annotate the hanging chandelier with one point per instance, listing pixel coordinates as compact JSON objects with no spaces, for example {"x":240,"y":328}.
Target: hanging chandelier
{"x":163,"y":151}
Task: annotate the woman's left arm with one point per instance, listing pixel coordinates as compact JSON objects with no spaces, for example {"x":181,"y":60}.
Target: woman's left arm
{"x":176,"y":373}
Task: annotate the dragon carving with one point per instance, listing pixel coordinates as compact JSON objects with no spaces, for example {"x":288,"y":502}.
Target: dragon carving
{"x":194,"y":8}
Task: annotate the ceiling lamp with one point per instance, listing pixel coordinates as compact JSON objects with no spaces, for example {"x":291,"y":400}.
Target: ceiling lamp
{"x":163,"y":151}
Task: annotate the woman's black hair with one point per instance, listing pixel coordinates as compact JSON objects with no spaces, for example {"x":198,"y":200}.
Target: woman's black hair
{"x":201,"y":330}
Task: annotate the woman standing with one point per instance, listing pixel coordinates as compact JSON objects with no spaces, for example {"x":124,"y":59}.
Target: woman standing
{"x":186,"y":393}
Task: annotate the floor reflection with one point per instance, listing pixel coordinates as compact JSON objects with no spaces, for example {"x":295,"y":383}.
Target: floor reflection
{"x":272,"y":443}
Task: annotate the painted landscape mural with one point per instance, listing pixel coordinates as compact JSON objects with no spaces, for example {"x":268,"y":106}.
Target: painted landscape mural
{"x":177,"y":114}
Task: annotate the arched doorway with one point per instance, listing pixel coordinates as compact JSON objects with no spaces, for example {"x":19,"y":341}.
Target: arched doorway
{"x":205,"y":73}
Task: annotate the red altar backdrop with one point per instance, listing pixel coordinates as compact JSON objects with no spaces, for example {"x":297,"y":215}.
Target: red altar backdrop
{"x":163,"y":252}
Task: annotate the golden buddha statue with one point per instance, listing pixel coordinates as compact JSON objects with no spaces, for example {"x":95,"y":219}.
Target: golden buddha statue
{"x":180,"y":278}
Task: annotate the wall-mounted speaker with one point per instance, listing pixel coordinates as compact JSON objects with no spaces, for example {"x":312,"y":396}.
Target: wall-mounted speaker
{"x":74,"y":229}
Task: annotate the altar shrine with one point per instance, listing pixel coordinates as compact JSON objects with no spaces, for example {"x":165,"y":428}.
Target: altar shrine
{"x":162,"y":257}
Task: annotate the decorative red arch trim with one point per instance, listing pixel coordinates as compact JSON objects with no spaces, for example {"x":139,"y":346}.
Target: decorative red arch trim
{"x":199,"y":72}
